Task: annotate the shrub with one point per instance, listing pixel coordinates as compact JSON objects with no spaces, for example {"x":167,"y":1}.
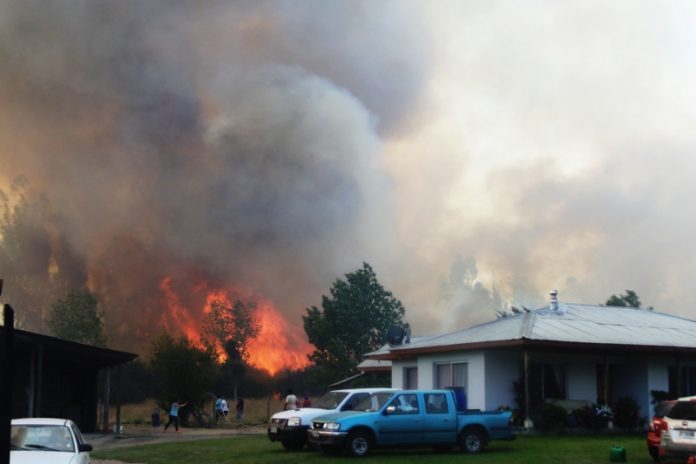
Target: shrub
{"x":552,"y":417}
{"x":626,"y":412}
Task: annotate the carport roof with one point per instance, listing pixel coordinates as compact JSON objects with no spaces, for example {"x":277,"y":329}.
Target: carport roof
{"x":576,"y":325}
{"x":59,"y":349}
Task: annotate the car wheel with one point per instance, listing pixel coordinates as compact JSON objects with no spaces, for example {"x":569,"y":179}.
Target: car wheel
{"x":471,"y":441}
{"x":654,"y":453}
{"x":358,"y":444}
{"x":293,"y":445}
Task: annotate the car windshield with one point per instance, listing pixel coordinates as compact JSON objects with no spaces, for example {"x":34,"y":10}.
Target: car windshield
{"x":684,"y":410}
{"x":41,"y":437}
{"x":373,"y":402}
{"x":331,"y":400}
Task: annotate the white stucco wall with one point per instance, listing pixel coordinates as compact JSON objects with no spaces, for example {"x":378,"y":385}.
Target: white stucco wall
{"x":502,"y":370}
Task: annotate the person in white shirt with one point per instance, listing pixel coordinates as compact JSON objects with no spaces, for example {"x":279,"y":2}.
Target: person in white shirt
{"x":290,"y":400}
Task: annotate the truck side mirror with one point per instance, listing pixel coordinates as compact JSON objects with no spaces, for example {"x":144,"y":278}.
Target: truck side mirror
{"x":389,"y":410}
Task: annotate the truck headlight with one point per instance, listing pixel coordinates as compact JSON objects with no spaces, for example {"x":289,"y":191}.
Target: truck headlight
{"x":332,"y":426}
{"x":294,"y":422}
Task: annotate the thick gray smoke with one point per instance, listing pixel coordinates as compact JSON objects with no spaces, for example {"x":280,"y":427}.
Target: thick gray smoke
{"x":224,"y":145}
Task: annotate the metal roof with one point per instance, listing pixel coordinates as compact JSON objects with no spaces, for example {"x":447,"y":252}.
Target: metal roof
{"x":569,"y":324}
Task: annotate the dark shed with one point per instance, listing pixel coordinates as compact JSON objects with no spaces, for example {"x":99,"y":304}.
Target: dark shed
{"x":59,"y":378}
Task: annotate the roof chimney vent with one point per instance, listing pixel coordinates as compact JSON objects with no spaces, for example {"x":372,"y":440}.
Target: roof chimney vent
{"x":554,"y":300}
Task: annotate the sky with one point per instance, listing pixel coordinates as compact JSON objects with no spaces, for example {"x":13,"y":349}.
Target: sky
{"x":476,"y":154}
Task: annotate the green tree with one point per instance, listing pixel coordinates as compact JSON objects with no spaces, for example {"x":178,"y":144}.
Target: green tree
{"x":182,"y":371}
{"x":77,"y":318}
{"x":230,"y":327}
{"x":629,"y":300}
{"x":353,"y":321}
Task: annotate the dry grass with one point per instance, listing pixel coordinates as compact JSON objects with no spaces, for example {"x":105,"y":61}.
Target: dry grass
{"x":256,"y":411}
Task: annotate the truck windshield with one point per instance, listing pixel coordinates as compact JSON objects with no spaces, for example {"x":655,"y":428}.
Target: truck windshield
{"x":374,"y":402}
{"x":331,"y":400}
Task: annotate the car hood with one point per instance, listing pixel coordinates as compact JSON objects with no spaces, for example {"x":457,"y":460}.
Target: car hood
{"x":43,"y":457}
{"x":337,"y":416}
{"x":302,"y":412}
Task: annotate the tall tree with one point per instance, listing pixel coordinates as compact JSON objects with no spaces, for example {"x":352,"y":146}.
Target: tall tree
{"x":230,"y":328}
{"x":78,"y":318}
{"x":182,"y":371}
{"x":629,"y":300}
{"x":37,"y":262}
{"x":353,"y":321}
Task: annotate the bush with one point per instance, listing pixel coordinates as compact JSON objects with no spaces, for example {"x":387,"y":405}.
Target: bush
{"x":552,"y":417}
{"x":594,"y":416}
{"x":626,"y":413}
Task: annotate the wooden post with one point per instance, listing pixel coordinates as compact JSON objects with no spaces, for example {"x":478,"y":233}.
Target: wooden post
{"x":527,"y":419}
{"x":7,"y":371}
{"x":107,"y":395}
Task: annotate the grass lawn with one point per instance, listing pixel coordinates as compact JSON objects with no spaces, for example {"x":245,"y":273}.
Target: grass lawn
{"x":258,"y":449}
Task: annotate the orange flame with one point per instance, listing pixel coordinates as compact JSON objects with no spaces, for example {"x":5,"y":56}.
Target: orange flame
{"x":277,"y":346}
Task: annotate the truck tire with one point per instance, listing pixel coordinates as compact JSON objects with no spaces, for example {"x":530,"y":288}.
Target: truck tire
{"x":471,"y":441}
{"x":358,"y":444}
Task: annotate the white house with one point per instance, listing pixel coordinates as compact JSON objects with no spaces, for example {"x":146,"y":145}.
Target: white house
{"x":594,"y":354}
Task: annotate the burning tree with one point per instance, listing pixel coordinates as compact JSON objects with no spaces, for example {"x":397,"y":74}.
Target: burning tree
{"x":228,"y":328}
{"x":353,"y":321}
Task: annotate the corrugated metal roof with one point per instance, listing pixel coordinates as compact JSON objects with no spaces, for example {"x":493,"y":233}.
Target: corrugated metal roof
{"x":573,"y":323}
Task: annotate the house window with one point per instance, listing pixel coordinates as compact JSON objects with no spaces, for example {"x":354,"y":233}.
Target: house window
{"x":410,"y":378}
{"x":547,"y":381}
{"x":452,"y":375}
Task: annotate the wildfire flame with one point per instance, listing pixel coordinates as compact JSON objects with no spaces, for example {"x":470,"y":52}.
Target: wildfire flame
{"x":277,"y":346}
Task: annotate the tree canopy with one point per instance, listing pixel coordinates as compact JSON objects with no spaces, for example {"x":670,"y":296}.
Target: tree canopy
{"x":77,"y":318}
{"x":629,"y":300}
{"x":354,"y":320}
{"x":182,"y":371}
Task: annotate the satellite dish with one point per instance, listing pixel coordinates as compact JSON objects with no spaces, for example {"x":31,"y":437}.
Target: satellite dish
{"x":395,"y":335}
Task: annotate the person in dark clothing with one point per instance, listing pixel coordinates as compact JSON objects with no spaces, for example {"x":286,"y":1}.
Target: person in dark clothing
{"x":240,"y":408}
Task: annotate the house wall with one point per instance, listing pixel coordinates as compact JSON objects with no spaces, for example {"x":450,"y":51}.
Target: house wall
{"x":658,"y":379}
{"x":502,"y":370}
{"x":581,"y":379}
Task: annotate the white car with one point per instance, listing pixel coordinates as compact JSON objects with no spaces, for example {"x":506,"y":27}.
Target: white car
{"x":678,"y":439}
{"x":290,"y":427}
{"x":47,"y":441}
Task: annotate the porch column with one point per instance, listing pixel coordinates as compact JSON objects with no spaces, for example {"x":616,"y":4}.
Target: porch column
{"x":107,"y":394}
{"x":527,"y":420}
{"x":39,"y":381}
{"x":605,"y":387}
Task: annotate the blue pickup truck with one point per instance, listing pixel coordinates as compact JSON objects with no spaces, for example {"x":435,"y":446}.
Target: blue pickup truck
{"x":409,"y":418}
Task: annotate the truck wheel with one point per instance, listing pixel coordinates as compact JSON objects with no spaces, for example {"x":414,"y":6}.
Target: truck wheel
{"x":293,"y":445}
{"x":358,"y":444}
{"x":471,"y":441}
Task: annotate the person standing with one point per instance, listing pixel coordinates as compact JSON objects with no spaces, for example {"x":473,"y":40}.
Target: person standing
{"x":174,"y":415}
{"x":218,"y":408}
{"x":306,"y":403}
{"x":240,"y":408}
{"x":225,"y":408}
{"x":290,"y":401}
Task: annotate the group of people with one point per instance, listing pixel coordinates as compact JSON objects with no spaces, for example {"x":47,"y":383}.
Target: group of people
{"x":222,"y":409}
{"x":291,"y":401}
